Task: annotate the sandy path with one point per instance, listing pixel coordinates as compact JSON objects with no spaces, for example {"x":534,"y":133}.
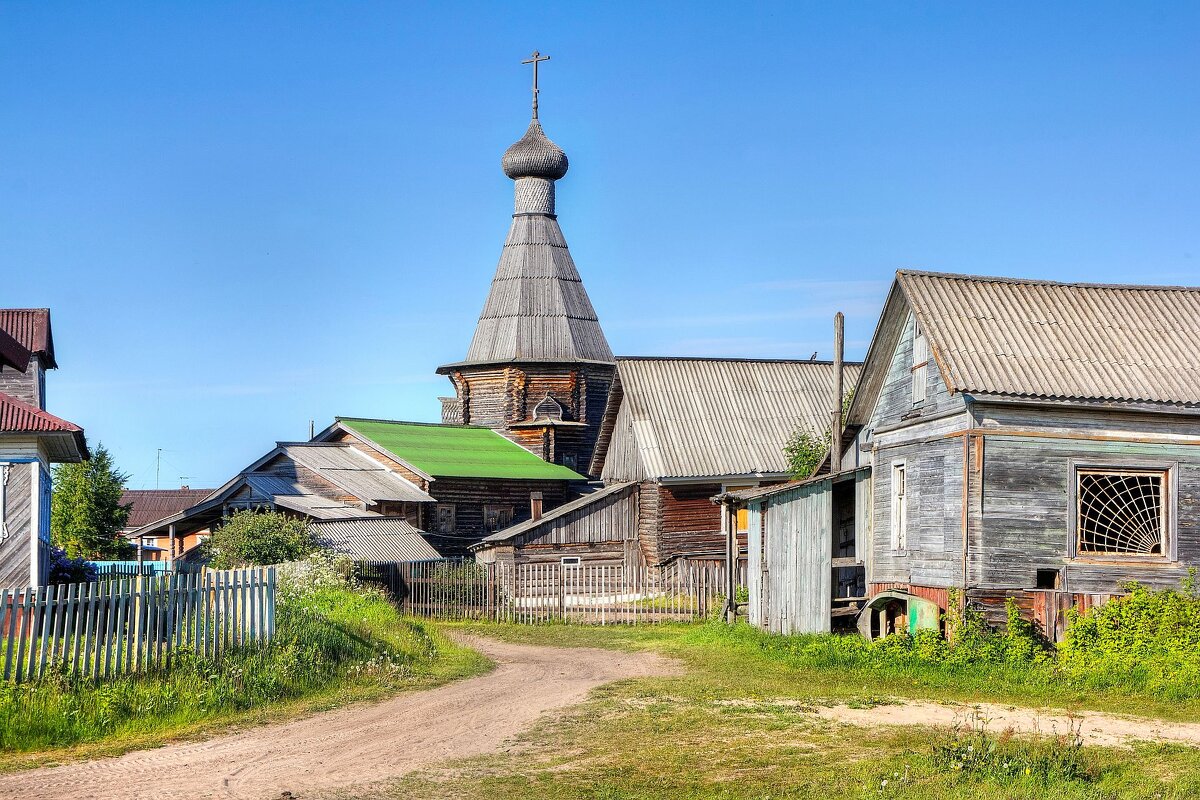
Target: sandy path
{"x":356,"y":745}
{"x":1094,"y":727}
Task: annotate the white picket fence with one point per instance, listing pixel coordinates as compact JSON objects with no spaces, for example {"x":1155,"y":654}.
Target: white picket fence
{"x":132,"y":624}
{"x":599,"y":594}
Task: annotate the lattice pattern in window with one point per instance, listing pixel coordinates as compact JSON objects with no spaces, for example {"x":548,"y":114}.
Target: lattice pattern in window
{"x":1121,"y":513}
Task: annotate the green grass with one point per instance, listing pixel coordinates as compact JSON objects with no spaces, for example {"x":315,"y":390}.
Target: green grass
{"x":735,"y":725}
{"x":333,"y":646}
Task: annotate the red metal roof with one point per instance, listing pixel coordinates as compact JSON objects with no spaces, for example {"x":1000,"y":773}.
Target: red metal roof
{"x":13,"y":353}
{"x":151,"y":505}
{"x":17,"y":416}
{"x":30,"y":327}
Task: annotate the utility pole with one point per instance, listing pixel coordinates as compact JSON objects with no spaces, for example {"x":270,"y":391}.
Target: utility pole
{"x":157,"y":467}
{"x":835,"y":426}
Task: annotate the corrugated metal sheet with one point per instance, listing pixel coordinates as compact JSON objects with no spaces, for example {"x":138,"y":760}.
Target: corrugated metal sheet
{"x":1039,"y":339}
{"x":17,"y":416}
{"x":151,"y":505}
{"x":375,"y":539}
{"x":356,"y":472}
{"x":694,"y":417}
{"x":30,"y":327}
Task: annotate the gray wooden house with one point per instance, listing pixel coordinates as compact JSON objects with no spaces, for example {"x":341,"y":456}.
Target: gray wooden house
{"x":31,"y":440}
{"x":1007,"y":438}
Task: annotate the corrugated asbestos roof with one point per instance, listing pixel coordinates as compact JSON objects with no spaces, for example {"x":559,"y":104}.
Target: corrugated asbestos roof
{"x":514,"y":531}
{"x":151,"y":505}
{"x":1039,"y":339}
{"x":457,"y":450}
{"x":695,"y":417}
{"x":354,"y":471}
{"x":375,"y":539}
{"x":319,"y":507}
{"x":30,"y":327}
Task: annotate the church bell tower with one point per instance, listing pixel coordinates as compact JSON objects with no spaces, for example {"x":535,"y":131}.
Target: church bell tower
{"x":538,"y":369}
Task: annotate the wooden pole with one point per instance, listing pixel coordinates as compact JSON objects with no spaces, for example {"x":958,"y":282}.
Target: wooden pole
{"x":731,"y":554}
{"x":835,"y":426}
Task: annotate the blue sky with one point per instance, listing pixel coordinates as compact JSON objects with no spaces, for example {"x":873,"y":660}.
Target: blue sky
{"x":248,"y":215}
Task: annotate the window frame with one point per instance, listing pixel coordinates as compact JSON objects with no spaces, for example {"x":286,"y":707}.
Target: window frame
{"x":1137,"y":466}
{"x":899,"y":526}
{"x":919,"y":370}
{"x":570,"y":562}
{"x":453,"y":509}
{"x":502,"y":508}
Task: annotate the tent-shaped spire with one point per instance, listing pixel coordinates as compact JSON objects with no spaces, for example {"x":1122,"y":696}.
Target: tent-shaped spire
{"x":537,"y":309}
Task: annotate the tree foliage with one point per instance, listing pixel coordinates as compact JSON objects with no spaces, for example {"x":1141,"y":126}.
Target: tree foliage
{"x":254,"y":538}
{"x":805,"y":449}
{"x":86,"y":515}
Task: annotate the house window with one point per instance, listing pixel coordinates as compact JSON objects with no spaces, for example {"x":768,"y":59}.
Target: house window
{"x":899,"y":506}
{"x":568,"y":460}
{"x":444,"y":518}
{"x":497,"y":518}
{"x":1121,"y":512}
{"x":920,"y":363}
{"x":571,"y":561}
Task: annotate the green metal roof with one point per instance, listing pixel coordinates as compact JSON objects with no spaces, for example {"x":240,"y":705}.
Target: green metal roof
{"x":457,"y":451}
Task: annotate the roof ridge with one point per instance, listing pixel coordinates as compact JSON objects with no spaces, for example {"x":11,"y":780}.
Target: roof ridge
{"x":958,"y":276}
{"x":408,"y":422}
{"x":737,"y":359}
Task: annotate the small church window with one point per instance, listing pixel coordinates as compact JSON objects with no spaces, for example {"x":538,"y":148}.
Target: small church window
{"x":920,"y":363}
{"x":1121,"y":512}
{"x":899,"y":506}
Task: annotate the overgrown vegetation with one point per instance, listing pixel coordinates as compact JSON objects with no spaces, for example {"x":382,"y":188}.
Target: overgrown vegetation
{"x":258,"y":538}
{"x":86,"y":515}
{"x":332,"y":637}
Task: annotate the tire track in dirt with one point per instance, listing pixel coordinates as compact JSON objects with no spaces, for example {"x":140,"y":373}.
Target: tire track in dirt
{"x":357,"y":745}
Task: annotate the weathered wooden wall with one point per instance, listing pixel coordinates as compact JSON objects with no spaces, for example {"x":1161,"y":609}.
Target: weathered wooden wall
{"x":691,"y":523}
{"x":790,"y":560}
{"x":470,"y":495}
{"x":603,"y":531}
{"x":29,"y":386}
{"x":15,"y":557}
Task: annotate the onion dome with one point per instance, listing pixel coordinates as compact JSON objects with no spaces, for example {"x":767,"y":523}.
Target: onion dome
{"x":534,"y":156}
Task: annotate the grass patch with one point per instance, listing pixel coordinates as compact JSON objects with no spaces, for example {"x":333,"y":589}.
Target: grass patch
{"x":739,"y":724}
{"x":334,"y":644}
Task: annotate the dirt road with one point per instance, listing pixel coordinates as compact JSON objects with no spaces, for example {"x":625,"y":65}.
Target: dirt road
{"x":356,"y":745}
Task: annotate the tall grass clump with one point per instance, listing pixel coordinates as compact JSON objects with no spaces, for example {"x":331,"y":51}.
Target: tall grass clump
{"x":330,"y":634}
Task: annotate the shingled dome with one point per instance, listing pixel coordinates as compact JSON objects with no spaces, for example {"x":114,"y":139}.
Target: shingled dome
{"x":534,"y":156}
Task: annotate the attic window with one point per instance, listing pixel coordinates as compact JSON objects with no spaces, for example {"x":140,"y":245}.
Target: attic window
{"x":920,"y":363}
{"x":1121,"y":512}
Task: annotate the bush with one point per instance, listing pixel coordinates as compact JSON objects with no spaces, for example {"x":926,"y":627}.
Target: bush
{"x":259,"y":538}
{"x":1144,"y":639}
{"x":64,"y":569}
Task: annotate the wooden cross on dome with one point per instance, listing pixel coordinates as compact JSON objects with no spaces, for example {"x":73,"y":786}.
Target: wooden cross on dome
{"x":535,"y":59}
